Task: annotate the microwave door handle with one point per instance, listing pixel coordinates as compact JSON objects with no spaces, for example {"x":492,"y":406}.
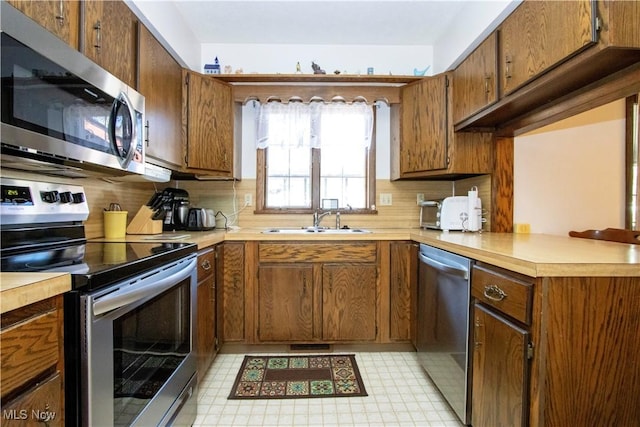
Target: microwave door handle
{"x":148,"y":287}
{"x":124,"y":100}
{"x":454,"y":269}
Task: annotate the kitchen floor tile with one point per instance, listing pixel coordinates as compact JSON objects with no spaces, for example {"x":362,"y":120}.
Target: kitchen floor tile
{"x":388,"y":403}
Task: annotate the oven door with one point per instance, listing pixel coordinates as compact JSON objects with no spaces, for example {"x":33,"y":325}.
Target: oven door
{"x":138,"y":360}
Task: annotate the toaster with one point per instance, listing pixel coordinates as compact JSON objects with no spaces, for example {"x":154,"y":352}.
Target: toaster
{"x":450,"y":213}
{"x":199,"y":219}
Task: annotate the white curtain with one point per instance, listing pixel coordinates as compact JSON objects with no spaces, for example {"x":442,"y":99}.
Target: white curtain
{"x":314,"y":125}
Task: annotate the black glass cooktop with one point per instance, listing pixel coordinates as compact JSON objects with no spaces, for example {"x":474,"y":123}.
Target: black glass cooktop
{"x":94,"y":265}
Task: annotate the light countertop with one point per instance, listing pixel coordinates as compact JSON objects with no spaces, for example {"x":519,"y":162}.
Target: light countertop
{"x":535,"y":255}
{"x":21,"y":289}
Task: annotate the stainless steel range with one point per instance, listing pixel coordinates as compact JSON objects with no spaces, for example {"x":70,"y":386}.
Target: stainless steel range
{"x":129,"y":319}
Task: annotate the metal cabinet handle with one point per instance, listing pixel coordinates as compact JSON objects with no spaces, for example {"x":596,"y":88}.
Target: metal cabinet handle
{"x":60,"y":15}
{"x":507,"y":70}
{"x":98,"y":28}
{"x":304,"y":284}
{"x":487,"y":79}
{"x":494,"y":293}
{"x":146,"y":128}
{"x":206,"y":265}
{"x":477,"y":325}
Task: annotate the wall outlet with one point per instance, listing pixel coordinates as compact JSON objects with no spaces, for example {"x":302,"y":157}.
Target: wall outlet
{"x":386,"y":199}
{"x":248,"y":199}
{"x":522,"y":228}
{"x":419,"y":198}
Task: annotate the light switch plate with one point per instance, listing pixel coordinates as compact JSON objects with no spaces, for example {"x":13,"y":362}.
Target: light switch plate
{"x":386,"y":199}
{"x":419,"y":198}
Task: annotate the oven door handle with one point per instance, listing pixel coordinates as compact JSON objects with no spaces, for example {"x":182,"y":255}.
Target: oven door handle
{"x":450,"y":268}
{"x":148,"y":287}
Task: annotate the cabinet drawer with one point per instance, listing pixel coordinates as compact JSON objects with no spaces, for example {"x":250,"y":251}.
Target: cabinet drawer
{"x":42,"y":404}
{"x":318,"y":252}
{"x":503,"y":290}
{"x":29,"y":349}
{"x":206,"y":264}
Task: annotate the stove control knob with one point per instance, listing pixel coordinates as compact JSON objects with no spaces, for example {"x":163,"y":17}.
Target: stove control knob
{"x":66,"y":197}
{"x":78,"y":197}
{"x":50,"y":196}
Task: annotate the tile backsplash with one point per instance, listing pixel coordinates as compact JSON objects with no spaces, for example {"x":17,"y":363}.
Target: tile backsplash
{"x":228,"y":197}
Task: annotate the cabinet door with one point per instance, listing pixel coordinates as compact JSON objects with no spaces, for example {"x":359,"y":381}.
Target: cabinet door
{"x":475,"y":80}
{"x":285,"y":302}
{"x":540,"y":34}
{"x":109,"y":33}
{"x":402,"y":280}
{"x":160,"y":81}
{"x":424,"y":135}
{"x":209,"y":124}
{"x":349,"y":302}
{"x":500,"y":371}
{"x":41,"y":404}
{"x":61,"y":17}
{"x":231,"y":291}
{"x":206,"y":320}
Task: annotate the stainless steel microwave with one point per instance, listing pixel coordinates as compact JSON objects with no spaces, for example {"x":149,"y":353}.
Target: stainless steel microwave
{"x":62,"y":111}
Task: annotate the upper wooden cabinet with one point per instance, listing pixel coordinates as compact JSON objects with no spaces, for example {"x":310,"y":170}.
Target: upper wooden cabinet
{"x":541,"y":34}
{"x":475,"y":85}
{"x":548,"y":52}
{"x":160,"y":81}
{"x":423,"y":144}
{"x":61,"y":17}
{"x":109,"y":37}
{"x":208,"y":122}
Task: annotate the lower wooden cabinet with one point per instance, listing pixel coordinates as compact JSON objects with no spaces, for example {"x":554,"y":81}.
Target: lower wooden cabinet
{"x":32,"y":354}
{"x":321,"y":291}
{"x":403,"y":287}
{"x":349,"y":302}
{"x":500,"y":371}
{"x":231,"y":291}
{"x":206,"y":321}
{"x":285,"y":303}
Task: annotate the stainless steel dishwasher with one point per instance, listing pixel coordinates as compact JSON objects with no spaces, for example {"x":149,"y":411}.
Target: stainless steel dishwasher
{"x":442,"y":335}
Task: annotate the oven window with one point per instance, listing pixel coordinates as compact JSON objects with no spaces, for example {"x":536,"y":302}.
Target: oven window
{"x":149,"y":343}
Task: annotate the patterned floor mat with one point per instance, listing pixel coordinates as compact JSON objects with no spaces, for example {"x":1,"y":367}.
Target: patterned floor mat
{"x":289,"y":377}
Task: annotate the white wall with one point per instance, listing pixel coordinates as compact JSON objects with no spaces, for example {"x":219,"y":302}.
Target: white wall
{"x":165,"y":23}
{"x":352,"y":59}
{"x":571,"y":175}
{"x":383,"y":141}
{"x":471,"y":26}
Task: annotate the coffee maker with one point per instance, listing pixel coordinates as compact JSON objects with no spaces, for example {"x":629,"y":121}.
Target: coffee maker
{"x":176,"y":209}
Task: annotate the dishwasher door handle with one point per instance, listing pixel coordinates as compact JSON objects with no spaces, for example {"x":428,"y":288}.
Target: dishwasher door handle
{"x":450,"y":268}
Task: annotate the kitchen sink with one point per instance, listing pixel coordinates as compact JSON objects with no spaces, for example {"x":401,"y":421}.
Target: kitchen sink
{"x":314,"y":230}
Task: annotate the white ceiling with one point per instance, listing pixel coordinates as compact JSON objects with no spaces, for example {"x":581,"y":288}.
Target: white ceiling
{"x":358,"y":22}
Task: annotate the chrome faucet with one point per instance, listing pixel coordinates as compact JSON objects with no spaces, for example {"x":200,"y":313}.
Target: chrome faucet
{"x":317,"y":217}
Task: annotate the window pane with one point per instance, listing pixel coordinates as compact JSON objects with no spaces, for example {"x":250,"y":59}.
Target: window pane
{"x":343,"y":176}
{"x":288,"y":177}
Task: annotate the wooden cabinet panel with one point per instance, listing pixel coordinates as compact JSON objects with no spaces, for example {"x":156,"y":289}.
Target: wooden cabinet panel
{"x":285,"y":302}
{"x":500,"y":371}
{"x":318,"y":252}
{"x":29,"y":349}
{"x":403,"y":278}
{"x":475,"y":85}
{"x":539,"y":35}
{"x":347,"y":294}
{"x":209,"y":124}
{"x":41,"y":404}
{"x":160,"y":81}
{"x":423,"y":127}
{"x":109,"y":34}
{"x":61,"y":17}
{"x":206,"y":321}
{"x":231,"y":291}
